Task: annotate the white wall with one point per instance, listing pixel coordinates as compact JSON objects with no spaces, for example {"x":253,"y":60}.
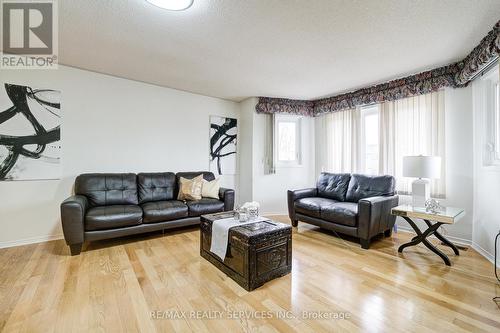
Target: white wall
{"x":486,"y":180}
{"x":109,"y":125}
{"x":245,"y":144}
{"x":459,"y":159}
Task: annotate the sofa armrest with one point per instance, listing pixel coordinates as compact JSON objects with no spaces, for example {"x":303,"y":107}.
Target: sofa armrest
{"x":73,"y":212}
{"x":294,"y":195}
{"x":375,"y":215}
{"x":227,"y":195}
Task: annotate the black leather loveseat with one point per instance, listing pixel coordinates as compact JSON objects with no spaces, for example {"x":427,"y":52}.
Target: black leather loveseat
{"x":355,"y":205}
{"x":120,"y":204}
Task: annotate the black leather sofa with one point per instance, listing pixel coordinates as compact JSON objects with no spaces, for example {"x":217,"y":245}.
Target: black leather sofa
{"x":114,"y":205}
{"x":355,"y":205}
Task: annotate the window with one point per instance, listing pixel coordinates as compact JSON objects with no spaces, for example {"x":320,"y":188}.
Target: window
{"x":487,"y":93}
{"x":287,"y":129}
{"x":369,"y":146}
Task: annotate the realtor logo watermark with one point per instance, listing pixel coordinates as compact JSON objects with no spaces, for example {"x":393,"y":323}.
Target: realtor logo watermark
{"x":29,"y":34}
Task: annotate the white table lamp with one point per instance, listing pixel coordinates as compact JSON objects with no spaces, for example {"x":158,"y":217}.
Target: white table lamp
{"x":423,"y":168}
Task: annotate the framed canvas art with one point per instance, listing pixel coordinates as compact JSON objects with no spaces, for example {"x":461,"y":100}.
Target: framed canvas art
{"x":30,"y":133}
{"x":223,"y":139}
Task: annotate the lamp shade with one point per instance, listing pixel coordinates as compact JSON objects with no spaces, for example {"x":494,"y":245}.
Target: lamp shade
{"x":422,"y":167}
{"x":172,"y":4}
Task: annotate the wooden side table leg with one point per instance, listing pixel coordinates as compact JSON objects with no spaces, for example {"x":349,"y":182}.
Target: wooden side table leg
{"x":415,"y":240}
{"x":421,"y":238}
{"x":412,"y":243}
{"x":437,"y":251}
{"x":443,"y":239}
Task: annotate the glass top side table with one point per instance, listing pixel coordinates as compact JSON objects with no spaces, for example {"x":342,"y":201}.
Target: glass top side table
{"x":446,"y":215}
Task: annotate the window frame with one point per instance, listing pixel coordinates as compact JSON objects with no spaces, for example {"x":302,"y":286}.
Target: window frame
{"x":297,"y":121}
{"x":491,"y":122}
{"x":496,"y":124}
{"x":365,"y":111}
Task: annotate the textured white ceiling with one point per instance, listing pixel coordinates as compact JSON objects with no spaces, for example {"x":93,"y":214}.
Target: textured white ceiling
{"x":302,"y":49}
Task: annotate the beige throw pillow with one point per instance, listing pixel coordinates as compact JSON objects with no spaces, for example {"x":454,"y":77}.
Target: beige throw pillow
{"x":210,"y":189}
{"x":190,"y":189}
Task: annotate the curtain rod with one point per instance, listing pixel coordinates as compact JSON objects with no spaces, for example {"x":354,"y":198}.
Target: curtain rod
{"x":490,"y":65}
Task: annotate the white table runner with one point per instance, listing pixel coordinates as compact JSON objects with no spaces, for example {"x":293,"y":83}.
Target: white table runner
{"x":220,"y":234}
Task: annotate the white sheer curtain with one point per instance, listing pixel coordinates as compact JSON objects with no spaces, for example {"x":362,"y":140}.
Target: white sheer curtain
{"x":270,"y":156}
{"x":409,"y":126}
{"x":412,"y":126}
{"x":336,"y":139}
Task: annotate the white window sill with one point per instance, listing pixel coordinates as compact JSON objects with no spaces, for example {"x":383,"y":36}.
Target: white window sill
{"x":296,"y":166}
{"x":289,"y":164}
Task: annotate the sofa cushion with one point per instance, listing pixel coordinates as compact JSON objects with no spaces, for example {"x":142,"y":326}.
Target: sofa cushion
{"x":207,"y":175}
{"x":210,"y":189}
{"x":204,"y":206}
{"x":105,"y":189}
{"x":160,"y":211}
{"x":333,"y":185}
{"x":345,"y":213}
{"x":156,"y":186}
{"x":363,"y":186}
{"x":111,"y":217}
{"x":190,"y":189}
{"x":312,"y":206}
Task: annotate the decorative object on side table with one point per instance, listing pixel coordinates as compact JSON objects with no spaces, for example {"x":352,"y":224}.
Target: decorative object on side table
{"x":256,"y":253}
{"x":423,"y":168}
{"x":432,"y":206}
{"x":445,"y":215}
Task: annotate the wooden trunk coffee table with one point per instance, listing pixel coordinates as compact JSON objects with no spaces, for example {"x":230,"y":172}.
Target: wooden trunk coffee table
{"x":257,"y":252}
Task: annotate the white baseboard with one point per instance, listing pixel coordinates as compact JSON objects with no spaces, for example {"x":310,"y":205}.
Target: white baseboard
{"x":31,"y":240}
{"x":484,"y":253}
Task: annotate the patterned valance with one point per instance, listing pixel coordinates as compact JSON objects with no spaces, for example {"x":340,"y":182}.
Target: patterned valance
{"x":482,"y":55}
{"x":456,"y":75}
{"x":284,"y":105}
{"x":418,"y":84}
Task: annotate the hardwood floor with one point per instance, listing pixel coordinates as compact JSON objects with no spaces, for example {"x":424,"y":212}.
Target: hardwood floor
{"x":119,"y":285}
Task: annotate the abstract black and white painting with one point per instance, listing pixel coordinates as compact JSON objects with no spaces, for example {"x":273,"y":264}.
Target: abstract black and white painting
{"x":223,"y":133}
{"x":30,"y":133}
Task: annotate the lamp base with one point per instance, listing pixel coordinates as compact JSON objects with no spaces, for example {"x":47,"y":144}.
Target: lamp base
{"x":420,"y":189}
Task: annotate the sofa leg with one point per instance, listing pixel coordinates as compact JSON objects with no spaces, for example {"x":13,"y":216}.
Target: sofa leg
{"x":295,"y":223}
{"x":365,"y":243}
{"x":75,"y":249}
{"x":388,"y":233}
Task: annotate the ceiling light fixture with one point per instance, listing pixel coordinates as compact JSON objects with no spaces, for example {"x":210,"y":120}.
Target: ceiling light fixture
{"x":172,"y":4}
